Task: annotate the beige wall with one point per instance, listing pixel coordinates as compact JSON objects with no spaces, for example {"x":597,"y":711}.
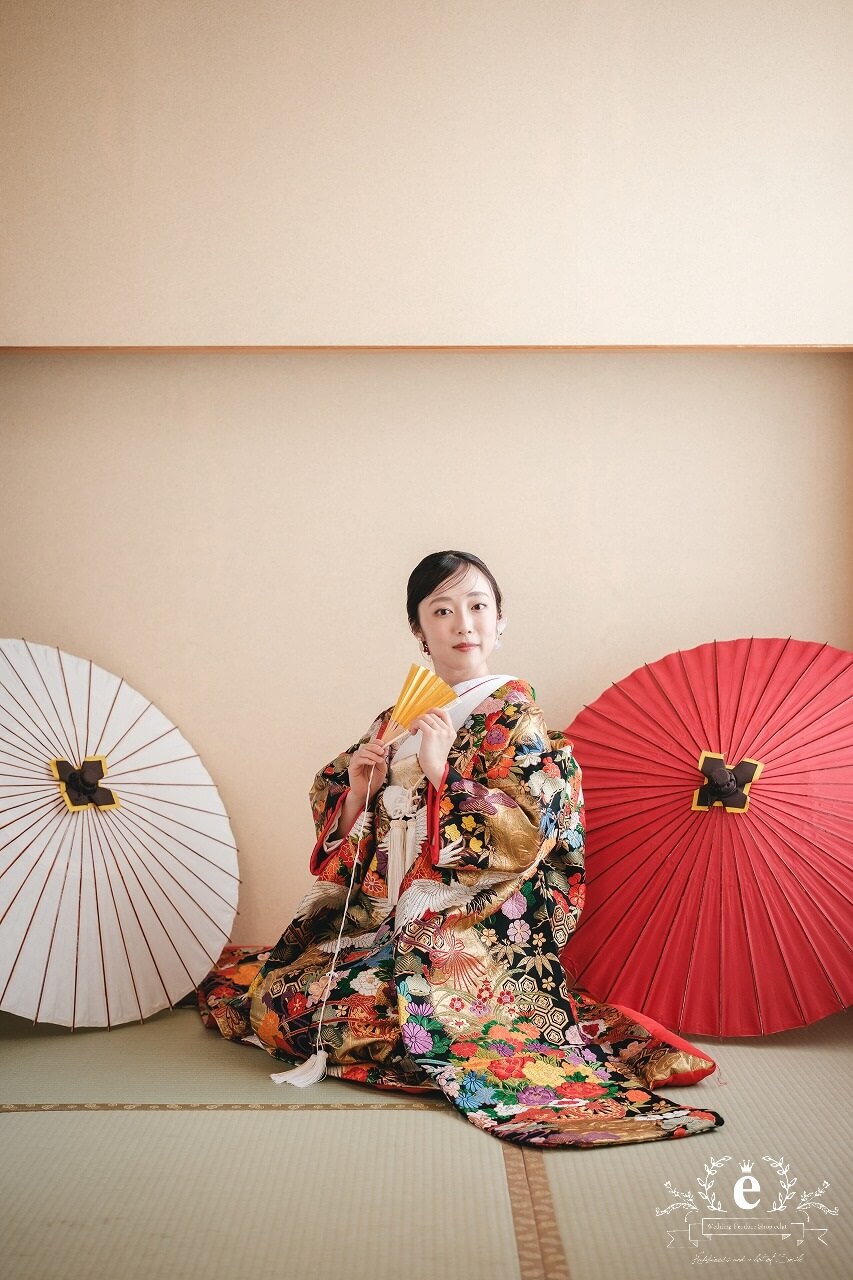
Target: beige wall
{"x":277,"y":172}
{"x":233,"y":533}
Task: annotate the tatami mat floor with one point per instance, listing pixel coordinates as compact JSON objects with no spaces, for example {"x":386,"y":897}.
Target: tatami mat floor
{"x":162,"y":1150}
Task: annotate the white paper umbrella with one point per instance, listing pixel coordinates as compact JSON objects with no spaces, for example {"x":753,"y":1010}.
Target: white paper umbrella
{"x":118,"y":868}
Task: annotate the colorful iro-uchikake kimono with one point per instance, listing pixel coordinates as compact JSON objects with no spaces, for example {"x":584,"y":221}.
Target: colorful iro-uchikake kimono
{"x":456,"y":985}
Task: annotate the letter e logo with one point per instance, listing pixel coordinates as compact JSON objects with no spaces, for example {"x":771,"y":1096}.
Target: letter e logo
{"x":741,"y":1187}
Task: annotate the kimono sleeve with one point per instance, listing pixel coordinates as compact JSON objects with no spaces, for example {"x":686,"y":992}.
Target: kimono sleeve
{"x":525,"y":801}
{"x":332,"y":857}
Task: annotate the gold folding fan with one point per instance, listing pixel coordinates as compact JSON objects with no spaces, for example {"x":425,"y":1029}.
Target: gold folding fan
{"x":422,"y":690}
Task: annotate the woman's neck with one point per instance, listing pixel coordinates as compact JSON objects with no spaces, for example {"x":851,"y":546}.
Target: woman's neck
{"x":453,"y":678}
{"x":471,"y":682}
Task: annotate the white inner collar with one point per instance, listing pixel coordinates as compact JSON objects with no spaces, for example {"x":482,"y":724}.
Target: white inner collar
{"x":470,"y":694}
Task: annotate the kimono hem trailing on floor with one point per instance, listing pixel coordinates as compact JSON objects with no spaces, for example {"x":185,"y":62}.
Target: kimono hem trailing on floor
{"x":456,"y":985}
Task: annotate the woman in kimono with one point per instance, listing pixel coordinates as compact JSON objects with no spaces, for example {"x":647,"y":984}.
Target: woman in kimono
{"x":463,"y":862}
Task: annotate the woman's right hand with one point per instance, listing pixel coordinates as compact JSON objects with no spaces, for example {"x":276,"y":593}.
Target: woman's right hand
{"x":373,"y":754}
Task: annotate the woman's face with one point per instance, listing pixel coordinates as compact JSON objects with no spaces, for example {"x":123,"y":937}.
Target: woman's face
{"x":459,"y":624}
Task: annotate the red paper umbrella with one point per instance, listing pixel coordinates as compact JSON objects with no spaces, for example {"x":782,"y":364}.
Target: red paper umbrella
{"x":719,"y":798}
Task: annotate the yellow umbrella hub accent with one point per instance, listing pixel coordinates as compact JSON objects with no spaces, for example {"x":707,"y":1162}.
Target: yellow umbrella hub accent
{"x":747,"y":771}
{"x":61,"y":769}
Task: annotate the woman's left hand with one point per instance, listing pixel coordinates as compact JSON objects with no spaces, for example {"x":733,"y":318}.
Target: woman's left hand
{"x":438,"y":735}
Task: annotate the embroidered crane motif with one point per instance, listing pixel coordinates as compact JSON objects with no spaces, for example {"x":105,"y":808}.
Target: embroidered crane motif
{"x":405,"y":835}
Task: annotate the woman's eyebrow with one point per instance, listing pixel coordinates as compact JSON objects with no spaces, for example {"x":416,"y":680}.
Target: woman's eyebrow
{"x":435,"y":599}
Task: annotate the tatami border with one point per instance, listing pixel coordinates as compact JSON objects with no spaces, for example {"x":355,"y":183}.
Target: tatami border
{"x":547,"y":1227}
{"x":537,"y":1235}
{"x":10,"y":1107}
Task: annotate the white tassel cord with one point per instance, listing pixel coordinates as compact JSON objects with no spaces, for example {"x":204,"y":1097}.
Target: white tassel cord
{"x":308,"y":1072}
{"x":314,"y":1068}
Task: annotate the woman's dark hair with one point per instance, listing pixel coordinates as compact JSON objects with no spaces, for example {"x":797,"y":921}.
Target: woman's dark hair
{"x":437,"y":568}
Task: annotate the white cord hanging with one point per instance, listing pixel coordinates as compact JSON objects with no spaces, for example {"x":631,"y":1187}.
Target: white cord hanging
{"x":314,"y":1068}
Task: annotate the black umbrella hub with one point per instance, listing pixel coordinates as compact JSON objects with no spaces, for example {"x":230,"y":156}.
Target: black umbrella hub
{"x":80,"y":785}
{"x":727,"y":785}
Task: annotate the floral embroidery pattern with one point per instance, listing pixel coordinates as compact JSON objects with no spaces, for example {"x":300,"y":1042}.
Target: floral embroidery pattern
{"x":470,"y":999}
